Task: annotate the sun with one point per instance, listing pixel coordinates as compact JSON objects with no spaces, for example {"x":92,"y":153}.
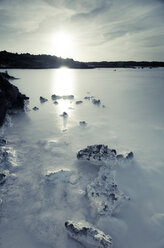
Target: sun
{"x":63,"y":44}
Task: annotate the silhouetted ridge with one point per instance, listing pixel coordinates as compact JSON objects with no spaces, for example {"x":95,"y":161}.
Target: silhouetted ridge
{"x":42,"y":61}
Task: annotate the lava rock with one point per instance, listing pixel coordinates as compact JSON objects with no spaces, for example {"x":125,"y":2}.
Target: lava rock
{"x":2,"y":142}
{"x":88,"y":235}
{"x":97,"y":153}
{"x":79,"y":102}
{"x":96,"y":101}
{"x":42,"y":99}
{"x":64,"y":114}
{"x":10,"y":98}
{"x":35,"y":108}
{"x":83,"y":123}
{"x":104,"y":194}
{"x":2,"y":178}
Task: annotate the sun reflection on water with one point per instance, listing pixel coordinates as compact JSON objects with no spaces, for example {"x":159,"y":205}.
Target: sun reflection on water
{"x":63,"y":85}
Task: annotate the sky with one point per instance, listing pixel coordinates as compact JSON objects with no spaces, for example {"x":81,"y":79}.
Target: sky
{"x":85,"y":30}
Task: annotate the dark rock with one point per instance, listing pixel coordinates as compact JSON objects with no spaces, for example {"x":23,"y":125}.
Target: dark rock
{"x":55,"y":102}
{"x":83,"y":123}
{"x":2,"y":142}
{"x":65,"y":97}
{"x":55,"y":97}
{"x":64,"y":114}
{"x":120,"y":157}
{"x":35,"y":108}
{"x":97,"y":153}
{"x":10,"y":98}
{"x":96,"y":101}
{"x":130,"y":155}
{"x":42,"y":99}
{"x":79,"y":102}
{"x":2,"y":178}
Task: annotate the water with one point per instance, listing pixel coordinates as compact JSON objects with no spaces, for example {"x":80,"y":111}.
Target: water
{"x":43,"y":141}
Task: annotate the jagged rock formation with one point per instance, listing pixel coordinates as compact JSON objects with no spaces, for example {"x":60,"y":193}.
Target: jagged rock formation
{"x":88,"y":235}
{"x":104,"y":194}
{"x":10,"y":98}
{"x":100,"y":154}
{"x":97,"y":154}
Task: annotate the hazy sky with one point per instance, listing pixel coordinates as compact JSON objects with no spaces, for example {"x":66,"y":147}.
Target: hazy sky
{"x":86,"y":30}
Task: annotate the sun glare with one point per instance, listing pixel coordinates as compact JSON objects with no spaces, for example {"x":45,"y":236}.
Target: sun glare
{"x":63,"y":44}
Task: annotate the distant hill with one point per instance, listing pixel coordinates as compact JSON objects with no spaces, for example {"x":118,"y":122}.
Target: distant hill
{"x":29,"y":61}
{"x":42,"y":61}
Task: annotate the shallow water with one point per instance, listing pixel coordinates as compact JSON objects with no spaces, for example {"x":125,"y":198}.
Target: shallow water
{"x":132,"y":119}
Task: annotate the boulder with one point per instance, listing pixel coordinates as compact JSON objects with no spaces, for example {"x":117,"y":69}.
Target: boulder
{"x":96,"y":101}
{"x":79,"y":102}
{"x":10,"y":98}
{"x":83,"y":123}
{"x":97,"y":154}
{"x":42,"y":99}
{"x":88,"y":235}
{"x":104,"y":194}
{"x":64,"y":115}
{"x":35,"y":108}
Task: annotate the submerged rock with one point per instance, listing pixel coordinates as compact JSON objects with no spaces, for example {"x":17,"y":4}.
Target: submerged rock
{"x":35,"y":108}
{"x":88,"y":235}
{"x":65,"y":97}
{"x":64,"y":114}
{"x":97,"y":153}
{"x":55,"y":97}
{"x":83,"y":123}
{"x":10,"y":98}
{"x":104,"y":194}
{"x":79,"y":102}
{"x":42,"y":99}
{"x":96,"y":101}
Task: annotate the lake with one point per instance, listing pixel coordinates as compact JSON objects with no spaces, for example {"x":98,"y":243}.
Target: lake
{"x":129,"y":118}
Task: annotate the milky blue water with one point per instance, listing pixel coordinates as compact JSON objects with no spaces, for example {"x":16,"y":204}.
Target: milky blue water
{"x":132,"y":119}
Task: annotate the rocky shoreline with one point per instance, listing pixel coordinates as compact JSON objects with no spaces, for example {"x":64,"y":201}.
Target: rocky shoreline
{"x":10,"y":97}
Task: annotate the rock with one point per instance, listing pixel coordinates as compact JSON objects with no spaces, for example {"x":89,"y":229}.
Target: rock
{"x":97,"y":154}
{"x":64,"y":114}
{"x":83,"y":123}
{"x":127,"y":156}
{"x":103,"y":106}
{"x":88,"y":235}
{"x":68,"y":97}
{"x":55,"y":102}
{"x":2,"y":142}
{"x":79,"y":102}
{"x":103,"y":192}
{"x":65,"y":97}
{"x":88,"y":97}
{"x":35,"y":108}
{"x":42,"y":99}
{"x":2,"y":178}
{"x":55,"y":97}
{"x":10,"y":98}
{"x":96,"y":102}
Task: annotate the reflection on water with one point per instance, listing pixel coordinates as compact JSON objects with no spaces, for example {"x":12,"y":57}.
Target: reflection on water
{"x":63,"y":84}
